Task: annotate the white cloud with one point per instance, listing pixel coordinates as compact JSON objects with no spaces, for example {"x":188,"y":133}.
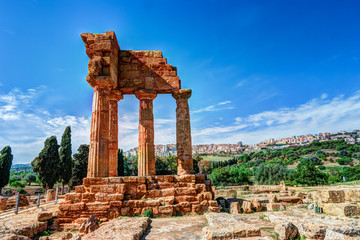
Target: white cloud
{"x":317,"y":115}
{"x":214,"y":108}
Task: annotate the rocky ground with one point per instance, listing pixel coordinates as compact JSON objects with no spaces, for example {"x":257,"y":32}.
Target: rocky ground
{"x":282,"y":215}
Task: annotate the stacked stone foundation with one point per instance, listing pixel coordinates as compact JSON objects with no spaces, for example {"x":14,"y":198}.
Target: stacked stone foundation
{"x":112,"y":197}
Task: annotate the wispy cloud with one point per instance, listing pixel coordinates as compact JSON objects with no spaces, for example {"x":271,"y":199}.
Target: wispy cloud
{"x":317,"y":115}
{"x":225,"y":105}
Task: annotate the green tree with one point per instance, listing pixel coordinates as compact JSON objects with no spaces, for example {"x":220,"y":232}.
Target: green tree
{"x":79,"y":170}
{"x":269,"y":174}
{"x":47,"y":163}
{"x":29,"y":178}
{"x":121,"y":163}
{"x":5,"y":164}
{"x":66,"y":162}
{"x":308,"y":174}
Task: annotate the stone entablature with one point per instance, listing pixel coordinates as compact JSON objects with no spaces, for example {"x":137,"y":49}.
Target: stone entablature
{"x":108,"y":198}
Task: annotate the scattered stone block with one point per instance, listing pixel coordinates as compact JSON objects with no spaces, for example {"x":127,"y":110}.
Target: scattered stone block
{"x":286,"y":230}
{"x":256,"y":204}
{"x":235,"y":208}
{"x":341,"y":209}
{"x":247,"y":207}
{"x":274,"y":207}
{"x":44,"y":216}
{"x":23,"y":201}
{"x":50,"y":195}
{"x":272,"y":198}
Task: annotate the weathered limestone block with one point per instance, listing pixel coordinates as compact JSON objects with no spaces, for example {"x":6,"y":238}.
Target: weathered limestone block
{"x":272,"y":198}
{"x":341,"y":209}
{"x":227,"y":226}
{"x":50,"y":195}
{"x":73,"y":197}
{"x":329,"y":196}
{"x":23,"y":201}
{"x":286,"y":230}
{"x":274,"y":207}
{"x":256,"y":204}
{"x":130,"y":228}
{"x":235,"y":207}
{"x":352,"y":195}
{"x":247,"y":207}
{"x":44,"y":216}
{"x":3,"y":203}
{"x":295,"y":200}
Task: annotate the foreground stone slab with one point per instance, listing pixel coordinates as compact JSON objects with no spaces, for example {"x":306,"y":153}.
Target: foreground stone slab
{"x":227,"y":226}
{"x":122,"y":229}
{"x":13,"y":237}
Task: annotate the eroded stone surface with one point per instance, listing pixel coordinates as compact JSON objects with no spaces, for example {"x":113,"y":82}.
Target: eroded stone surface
{"x":122,"y":229}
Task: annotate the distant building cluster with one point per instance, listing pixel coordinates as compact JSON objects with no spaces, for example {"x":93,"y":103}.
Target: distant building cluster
{"x":220,"y":149}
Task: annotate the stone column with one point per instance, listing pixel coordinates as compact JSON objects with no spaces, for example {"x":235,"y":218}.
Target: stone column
{"x":113,"y":133}
{"x":98,"y":165}
{"x":146,"y":149}
{"x":183,"y":132}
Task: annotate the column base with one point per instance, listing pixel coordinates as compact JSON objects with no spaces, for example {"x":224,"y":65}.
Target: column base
{"x":165,"y":195}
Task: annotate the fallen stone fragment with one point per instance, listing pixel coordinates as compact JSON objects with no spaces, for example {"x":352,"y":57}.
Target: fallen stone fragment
{"x":247,"y":207}
{"x":122,"y":229}
{"x":286,"y":230}
{"x":90,"y":225}
{"x":235,"y":208}
{"x":256,"y":204}
{"x":44,"y":216}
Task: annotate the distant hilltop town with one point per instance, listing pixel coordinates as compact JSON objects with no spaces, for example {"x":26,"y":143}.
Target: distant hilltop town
{"x":351,"y":137}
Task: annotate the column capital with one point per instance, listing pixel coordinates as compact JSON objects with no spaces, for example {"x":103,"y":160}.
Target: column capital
{"x":116,"y":96}
{"x":181,"y":94}
{"x":145,"y":94}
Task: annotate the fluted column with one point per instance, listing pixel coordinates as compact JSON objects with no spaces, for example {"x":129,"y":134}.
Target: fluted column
{"x":98,"y":165}
{"x":113,"y":133}
{"x":146,"y":149}
{"x":183,"y":132}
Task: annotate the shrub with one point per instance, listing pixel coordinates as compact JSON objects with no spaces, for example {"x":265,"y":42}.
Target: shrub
{"x":321,"y":167}
{"x":231,"y":175}
{"x":308,"y":174}
{"x":148,"y":213}
{"x":344,"y":161}
{"x":18,"y":184}
{"x":270,"y":174}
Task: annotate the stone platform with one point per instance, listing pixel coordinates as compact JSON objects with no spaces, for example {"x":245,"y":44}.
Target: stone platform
{"x":111,"y":197}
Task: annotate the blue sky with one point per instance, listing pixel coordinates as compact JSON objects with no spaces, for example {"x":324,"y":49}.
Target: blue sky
{"x":258,"y":69}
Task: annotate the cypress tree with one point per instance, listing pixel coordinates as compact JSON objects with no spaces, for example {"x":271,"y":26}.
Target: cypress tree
{"x":47,"y":163}
{"x":5,"y":164}
{"x":65,"y":157}
{"x":79,"y":170}
{"x":121,"y":171}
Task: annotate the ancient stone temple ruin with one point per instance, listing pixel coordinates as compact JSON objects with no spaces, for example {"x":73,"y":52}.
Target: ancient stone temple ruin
{"x":113,"y":73}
